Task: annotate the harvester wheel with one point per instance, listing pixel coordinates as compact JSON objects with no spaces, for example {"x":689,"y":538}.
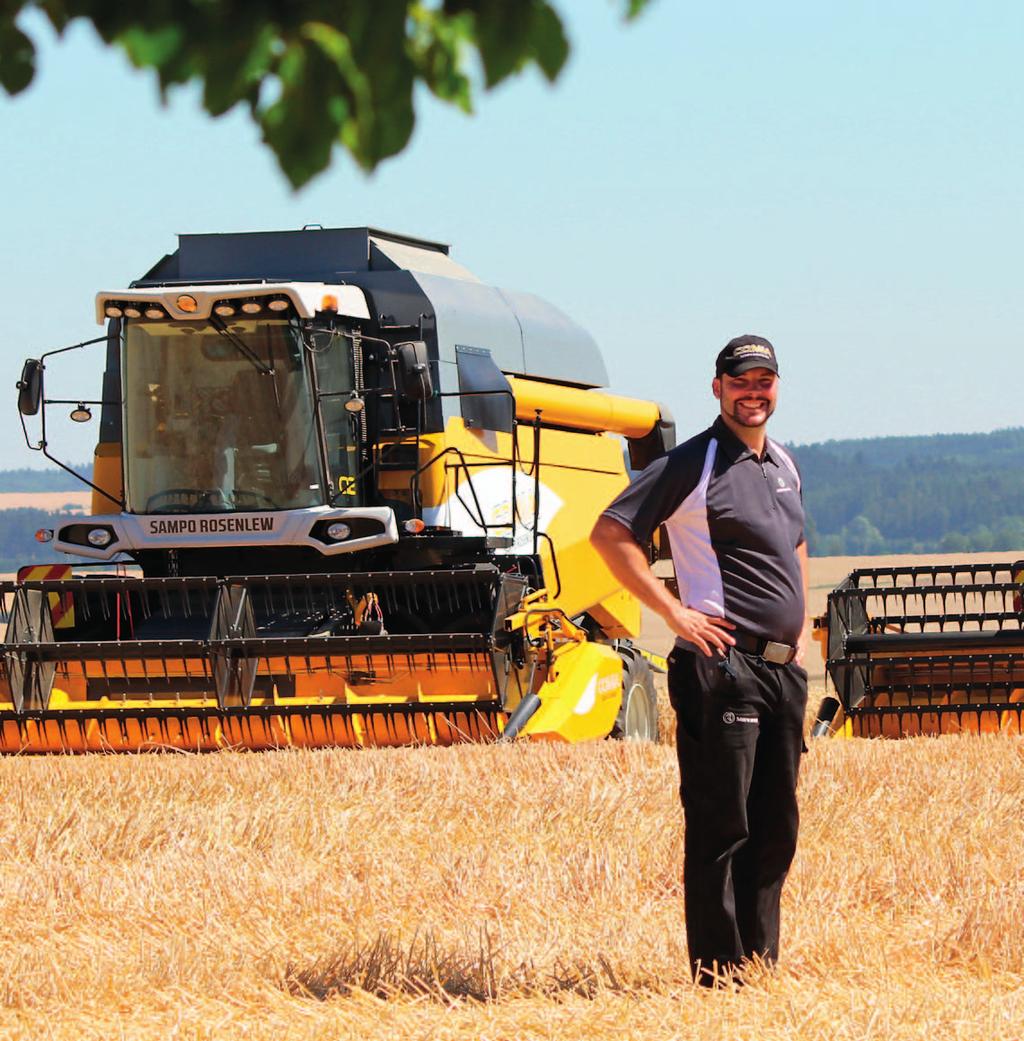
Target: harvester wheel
{"x":638,"y":717}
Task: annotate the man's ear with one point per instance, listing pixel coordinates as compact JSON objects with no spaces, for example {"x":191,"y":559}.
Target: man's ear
{"x":716,"y":388}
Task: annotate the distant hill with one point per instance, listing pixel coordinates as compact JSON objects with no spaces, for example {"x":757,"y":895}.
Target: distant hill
{"x":53,"y":480}
{"x":944,"y":493}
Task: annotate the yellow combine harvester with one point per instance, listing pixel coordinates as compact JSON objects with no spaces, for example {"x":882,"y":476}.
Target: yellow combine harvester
{"x":927,"y":649}
{"x":354,"y":486}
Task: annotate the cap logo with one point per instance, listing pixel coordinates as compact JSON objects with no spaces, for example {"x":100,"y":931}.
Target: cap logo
{"x":751,"y":350}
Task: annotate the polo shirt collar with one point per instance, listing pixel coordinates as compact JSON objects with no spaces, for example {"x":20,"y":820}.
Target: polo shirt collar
{"x":733,"y":447}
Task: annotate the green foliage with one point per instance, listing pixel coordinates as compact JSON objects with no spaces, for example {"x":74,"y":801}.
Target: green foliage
{"x":314,"y":74}
{"x":950,"y":493}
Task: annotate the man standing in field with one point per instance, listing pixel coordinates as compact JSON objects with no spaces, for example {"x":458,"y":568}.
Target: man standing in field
{"x":730,"y":502}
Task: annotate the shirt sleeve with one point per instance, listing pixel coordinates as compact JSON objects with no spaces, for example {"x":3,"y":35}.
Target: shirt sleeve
{"x":655,"y":494}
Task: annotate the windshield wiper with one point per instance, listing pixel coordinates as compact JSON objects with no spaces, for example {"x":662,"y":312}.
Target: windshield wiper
{"x":240,"y":345}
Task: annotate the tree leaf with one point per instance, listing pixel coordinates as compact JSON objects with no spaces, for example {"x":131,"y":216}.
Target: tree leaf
{"x":509,"y":36}
{"x":302,"y":125}
{"x":548,"y":41}
{"x":237,"y":72}
{"x":17,"y":58}
{"x":634,"y":8}
{"x":436,"y":47}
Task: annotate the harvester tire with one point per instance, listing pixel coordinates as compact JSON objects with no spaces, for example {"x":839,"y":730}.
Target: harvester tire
{"x":638,"y":717}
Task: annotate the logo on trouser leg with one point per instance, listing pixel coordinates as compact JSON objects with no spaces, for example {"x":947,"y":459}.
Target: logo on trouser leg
{"x":730,"y":717}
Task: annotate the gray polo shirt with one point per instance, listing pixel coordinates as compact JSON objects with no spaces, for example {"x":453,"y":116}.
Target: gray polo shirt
{"x":734,"y":522}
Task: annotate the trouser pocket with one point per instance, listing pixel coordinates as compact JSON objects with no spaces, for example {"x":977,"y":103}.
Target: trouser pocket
{"x":710,"y":692}
{"x":684,"y":694}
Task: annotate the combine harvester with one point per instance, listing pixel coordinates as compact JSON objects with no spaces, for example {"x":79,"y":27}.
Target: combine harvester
{"x":932,"y":649}
{"x":355,"y":487}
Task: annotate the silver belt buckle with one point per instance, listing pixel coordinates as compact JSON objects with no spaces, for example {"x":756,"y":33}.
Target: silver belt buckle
{"x":777,"y":653}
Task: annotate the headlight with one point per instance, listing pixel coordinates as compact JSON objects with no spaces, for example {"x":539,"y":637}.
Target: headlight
{"x":100,"y":537}
{"x":338,"y":531}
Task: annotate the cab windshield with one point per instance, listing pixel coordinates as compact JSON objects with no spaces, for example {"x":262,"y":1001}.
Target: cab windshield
{"x":218,"y":420}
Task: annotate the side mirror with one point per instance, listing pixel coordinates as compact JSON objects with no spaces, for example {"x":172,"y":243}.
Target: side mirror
{"x":414,"y":371}
{"x":30,"y":387}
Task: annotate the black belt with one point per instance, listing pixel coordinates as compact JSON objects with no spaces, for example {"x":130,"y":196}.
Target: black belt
{"x":770,"y":650}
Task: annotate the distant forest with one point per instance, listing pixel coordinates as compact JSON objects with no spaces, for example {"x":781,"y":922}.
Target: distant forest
{"x":946,"y":493}
{"x":44,"y":480}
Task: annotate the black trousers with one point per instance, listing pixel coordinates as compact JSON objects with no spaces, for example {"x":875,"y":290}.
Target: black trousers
{"x":739,"y":730}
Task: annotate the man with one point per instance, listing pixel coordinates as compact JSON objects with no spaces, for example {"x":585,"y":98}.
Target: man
{"x":730,"y":501}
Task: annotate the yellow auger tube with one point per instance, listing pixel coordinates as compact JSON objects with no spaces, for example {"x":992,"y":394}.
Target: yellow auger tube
{"x":583,"y":409}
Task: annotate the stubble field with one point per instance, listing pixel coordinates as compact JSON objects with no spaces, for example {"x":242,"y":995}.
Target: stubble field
{"x":480,"y":892}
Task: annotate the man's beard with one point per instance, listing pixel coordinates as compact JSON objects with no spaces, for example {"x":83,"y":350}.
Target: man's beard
{"x":744,"y":419}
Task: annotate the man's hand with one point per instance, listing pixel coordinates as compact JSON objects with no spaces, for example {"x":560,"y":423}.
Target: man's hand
{"x":709,"y":634}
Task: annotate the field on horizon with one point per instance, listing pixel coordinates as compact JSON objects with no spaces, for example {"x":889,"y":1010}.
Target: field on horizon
{"x":531,"y":891}
{"x":77,"y":500}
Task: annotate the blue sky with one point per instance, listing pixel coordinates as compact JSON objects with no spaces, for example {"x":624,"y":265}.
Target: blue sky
{"x":842,"y":178}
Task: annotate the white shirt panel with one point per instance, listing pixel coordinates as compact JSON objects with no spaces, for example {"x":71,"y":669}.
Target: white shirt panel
{"x":694,"y":557}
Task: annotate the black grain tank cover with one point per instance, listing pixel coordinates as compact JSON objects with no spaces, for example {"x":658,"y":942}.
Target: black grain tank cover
{"x":411,"y":285}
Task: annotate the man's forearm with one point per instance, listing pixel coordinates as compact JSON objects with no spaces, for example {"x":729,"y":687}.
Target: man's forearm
{"x":628,"y":564}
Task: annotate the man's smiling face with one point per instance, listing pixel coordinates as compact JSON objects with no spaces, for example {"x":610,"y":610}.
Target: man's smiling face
{"x":748,"y":399}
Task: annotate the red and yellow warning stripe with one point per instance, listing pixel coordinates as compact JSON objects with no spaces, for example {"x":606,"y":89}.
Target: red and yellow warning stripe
{"x":62,"y":605}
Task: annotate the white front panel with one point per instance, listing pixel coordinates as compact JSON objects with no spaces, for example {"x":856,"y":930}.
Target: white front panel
{"x":186,"y":531}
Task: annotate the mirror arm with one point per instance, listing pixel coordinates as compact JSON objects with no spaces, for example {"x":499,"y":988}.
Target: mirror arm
{"x":77,"y":401}
{"x":73,"y":347}
{"x":85,"y":480}
{"x":24,"y":429}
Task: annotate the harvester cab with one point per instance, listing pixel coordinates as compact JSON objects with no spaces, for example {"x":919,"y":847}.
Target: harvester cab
{"x":342,"y":495}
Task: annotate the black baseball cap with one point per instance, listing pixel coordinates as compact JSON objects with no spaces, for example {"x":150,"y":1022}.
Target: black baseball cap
{"x":743,"y":353}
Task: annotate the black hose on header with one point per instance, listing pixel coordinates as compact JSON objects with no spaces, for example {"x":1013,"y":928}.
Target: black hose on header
{"x":521,"y":715}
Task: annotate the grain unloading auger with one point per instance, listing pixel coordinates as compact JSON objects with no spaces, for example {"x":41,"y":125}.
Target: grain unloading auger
{"x":350,"y":490}
{"x":933,"y":649}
